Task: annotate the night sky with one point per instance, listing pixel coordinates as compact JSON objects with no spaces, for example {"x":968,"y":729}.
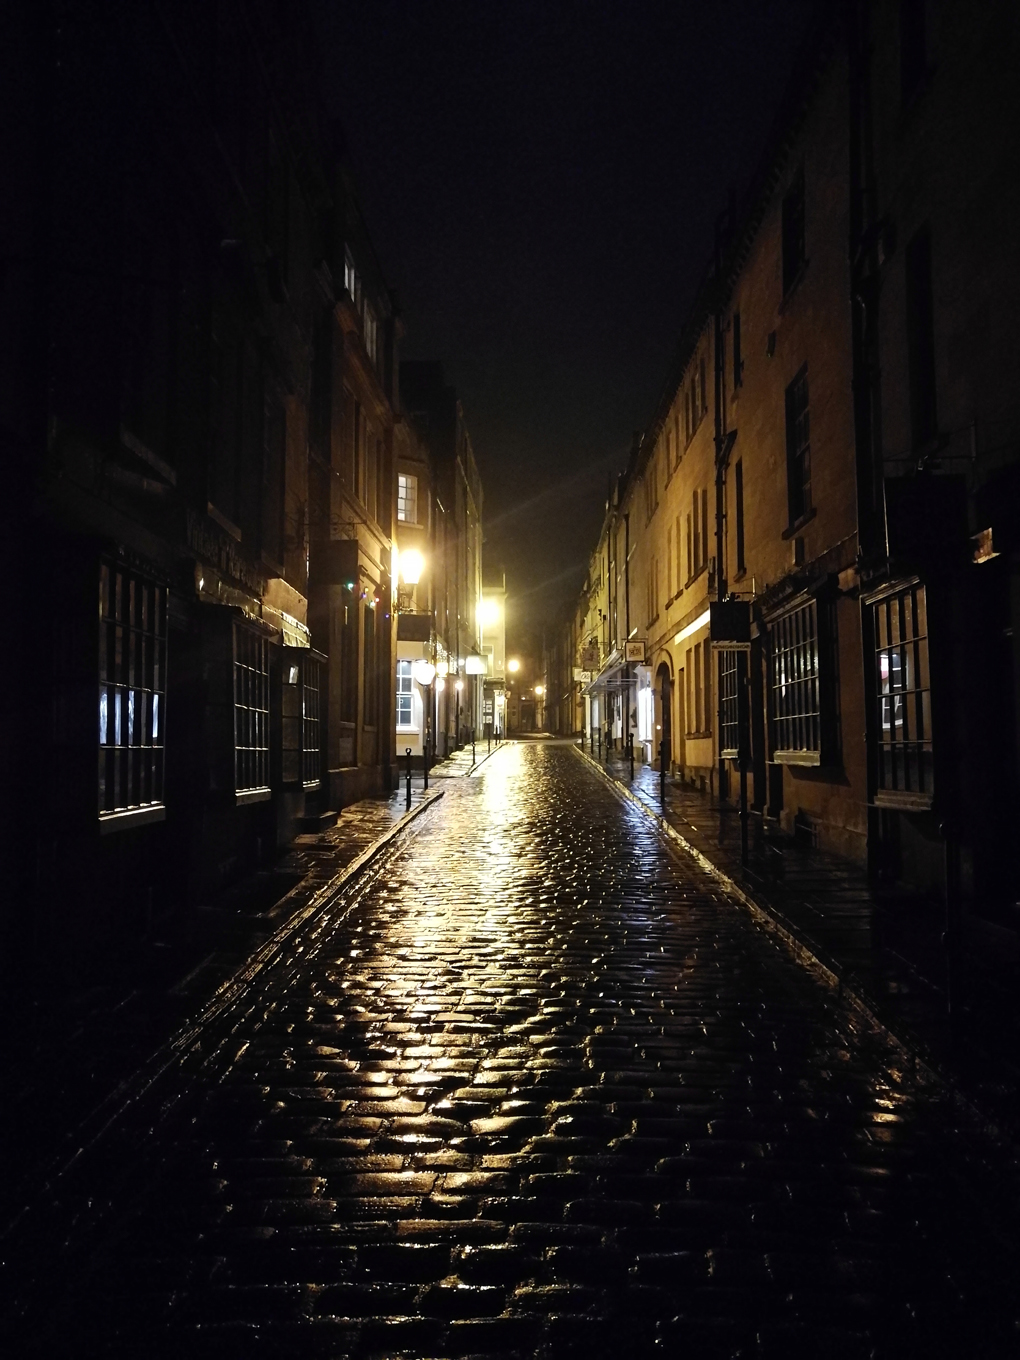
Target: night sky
{"x":540,"y":181}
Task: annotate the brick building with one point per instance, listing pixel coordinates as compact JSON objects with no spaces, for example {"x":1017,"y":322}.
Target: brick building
{"x":828,"y":484}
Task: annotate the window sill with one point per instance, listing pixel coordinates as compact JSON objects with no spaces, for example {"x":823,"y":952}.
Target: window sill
{"x":245,"y":796}
{"x":408,"y":731}
{"x":793,"y":529}
{"x":905,"y":802}
{"x":123,"y":821}
{"x":797,"y":757}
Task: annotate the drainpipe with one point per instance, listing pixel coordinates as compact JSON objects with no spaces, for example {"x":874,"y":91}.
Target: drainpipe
{"x":723,"y":223}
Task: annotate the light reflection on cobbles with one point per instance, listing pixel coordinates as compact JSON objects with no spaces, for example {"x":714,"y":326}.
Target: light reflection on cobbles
{"x":545,"y":1092}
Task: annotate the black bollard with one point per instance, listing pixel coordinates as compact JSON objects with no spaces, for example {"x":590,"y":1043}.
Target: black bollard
{"x":407,"y":752}
{"x":630,"y":753}
{"x":662,"y":772}
{"x":425,"y":762}
{"x":472,"y":746}
{"x":488,"y":742}
{"x":600,"y":743}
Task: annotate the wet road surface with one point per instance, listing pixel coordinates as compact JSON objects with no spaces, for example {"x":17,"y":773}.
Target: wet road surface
{"x":534,"y":1088}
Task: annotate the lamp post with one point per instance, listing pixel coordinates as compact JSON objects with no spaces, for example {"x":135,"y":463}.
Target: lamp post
{"x":425,"y":673}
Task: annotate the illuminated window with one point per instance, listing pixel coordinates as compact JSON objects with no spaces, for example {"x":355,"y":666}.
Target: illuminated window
{"x":251,"y":710}
{"x":407,"y":498}
{"x":311,"y":720}
{"x":405,"y":694}
{"x":371,"y":333}
{"x":132,"y":689}
{"x":729,"y":725}
{"x":903,"y":691}
{"x":351,"y":281}
{"x":796,"y":693}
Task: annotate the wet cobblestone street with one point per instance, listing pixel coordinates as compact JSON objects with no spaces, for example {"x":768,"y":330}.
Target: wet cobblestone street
{"x":532,"y":1087}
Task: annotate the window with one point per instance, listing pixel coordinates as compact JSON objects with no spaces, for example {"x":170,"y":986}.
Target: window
{"x":669,"y":562}
{"x":669,"y":452}
{"x":351,"y":281}
{"x":702,"y":387}
{"x":798,"y":447}
{"x":311,"y":721}
{"x":690,"y":550}
{"x":913,"y":48}
{"x":132,"y":689}
{"x":904,"y":699}
{"x":794,"y":682}
{"x":369,"y":671}
{"x":738,"y":362}
{"x":371,"y":334}
{"x":729,"y":712}
{"x":405,"y":694}
{"x":251,"y":710}
{"x":704,"y":527}
{"x":653,"y":590}
{"x":920,"y":340}
{"x":696,"y":514}
{"x":793,"y":232}
{"x":407,"y":498}
{"x":738,"y":495}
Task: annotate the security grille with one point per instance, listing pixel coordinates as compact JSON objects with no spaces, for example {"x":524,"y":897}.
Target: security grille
{"x":132,"y":689}
{"x":903,"y":689}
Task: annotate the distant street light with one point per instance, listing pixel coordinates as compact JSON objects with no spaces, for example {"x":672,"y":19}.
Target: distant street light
{"x":513,"y":666}
{"x":540,"y":690}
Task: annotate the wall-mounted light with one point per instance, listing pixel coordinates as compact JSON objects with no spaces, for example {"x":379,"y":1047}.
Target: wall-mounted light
{"x":412,"y":564}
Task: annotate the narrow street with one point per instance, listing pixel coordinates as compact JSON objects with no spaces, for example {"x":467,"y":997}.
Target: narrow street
{"x":533,"y":1086}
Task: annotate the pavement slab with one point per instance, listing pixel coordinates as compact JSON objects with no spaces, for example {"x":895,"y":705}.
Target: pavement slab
{"x":532,"y":1085}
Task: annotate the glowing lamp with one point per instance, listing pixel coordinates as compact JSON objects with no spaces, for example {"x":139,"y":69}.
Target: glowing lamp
{"x":459,"y":686}
{"x":475,"y":665}
{"x":423,"y":671}
{"x":488,"y":613}
{"x":442,"y":668}
{"x":539,"y":690}
{"x":440,"y":684}
{"x":412,"y":564}
{"x":513,"y":666}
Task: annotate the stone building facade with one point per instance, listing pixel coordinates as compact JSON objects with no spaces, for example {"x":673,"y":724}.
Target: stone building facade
{"x":814,"y":542}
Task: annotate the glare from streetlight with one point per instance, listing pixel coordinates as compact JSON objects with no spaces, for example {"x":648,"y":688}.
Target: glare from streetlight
{"x":539,"y":690}
{"x":513,"y":665}
{"x":488,"y":613}
{"x":412,"y":564}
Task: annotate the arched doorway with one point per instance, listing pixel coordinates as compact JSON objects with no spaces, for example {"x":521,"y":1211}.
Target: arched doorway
{"x":664,"y":713}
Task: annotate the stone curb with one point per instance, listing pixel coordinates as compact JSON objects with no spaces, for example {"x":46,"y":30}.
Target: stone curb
{"x":174,"y":1049}
{"x":827,"y":972}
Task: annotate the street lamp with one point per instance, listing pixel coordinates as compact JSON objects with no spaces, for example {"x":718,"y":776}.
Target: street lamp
{"x":424,"y":672}
{"x":513,"y":665}
{"x":540,"y":690}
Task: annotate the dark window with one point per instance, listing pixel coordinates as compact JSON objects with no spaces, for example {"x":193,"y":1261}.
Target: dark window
{"x":690,"y":550}
{"x":251,"y":710}
{"x":697,"y":531}
{"x":738,"y":362}
{"x":793,"y":232}
{"x":729,"y":715}
{"x":798,"y":447}
{"x":921,"y":339}
{"x":704,"y":528}
{"x":738,"y":491}
{"x":132,"y":689}
{"x":371,"y":689}
{"x":796,"y":695}
{"x":349,"y":656}
{"x":913,"y":48}
{"x":311,"y":720}
{"x":903,"y":688}
{"x":273,"y":478}
{"x":701,"y":385}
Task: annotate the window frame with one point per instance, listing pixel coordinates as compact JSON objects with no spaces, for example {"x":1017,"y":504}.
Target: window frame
{"x":251,"y":672}
{"x":409,"y":479}
{"x":795,"y":684}
{"x":798,"y":449}
{"x":908,"y":705}
{"x":132,"y":638}
{"x":401,"y":694}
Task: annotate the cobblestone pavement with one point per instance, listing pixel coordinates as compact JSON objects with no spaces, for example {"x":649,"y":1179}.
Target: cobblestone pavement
{"x":533,"y":1088}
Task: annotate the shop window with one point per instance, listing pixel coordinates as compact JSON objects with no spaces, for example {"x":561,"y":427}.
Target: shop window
{"x":904,"y":695}
{"x":132,"y":689}
{"x":251,"y":711}
{"x":369,"y":673}
{"x":795,"y":686}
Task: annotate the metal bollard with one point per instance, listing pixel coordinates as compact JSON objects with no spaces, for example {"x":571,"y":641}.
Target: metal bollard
{"x":630,"y":753}
{"x":600,"y":743}
{"x":488,"y":743}
{"x":472,"y":746}
{"x":407,"y":753}
{"x":662,"y":772}
{"x":425,"y":762}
